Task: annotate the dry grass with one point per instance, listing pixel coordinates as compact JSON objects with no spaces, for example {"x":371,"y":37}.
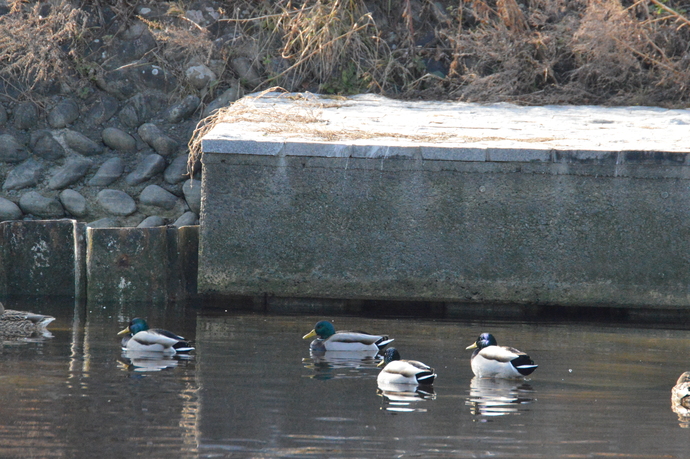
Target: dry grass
{"x":524,"y":51}
{"x":579,"y":51}
{"x":333,"y":44}
{"x":35,"y":49}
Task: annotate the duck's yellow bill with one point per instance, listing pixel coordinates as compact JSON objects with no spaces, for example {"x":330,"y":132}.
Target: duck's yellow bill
{"x":381,"y":363}
{"x":311,"y":334}
{"x":472,"y":346}
{"x":124,"y":332}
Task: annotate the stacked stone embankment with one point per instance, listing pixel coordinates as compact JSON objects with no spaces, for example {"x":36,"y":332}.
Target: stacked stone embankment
{"x":111,"y":152}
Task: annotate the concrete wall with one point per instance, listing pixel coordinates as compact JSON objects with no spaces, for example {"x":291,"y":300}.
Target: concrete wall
{"x":102,"y":265}
{"x":550,"y":227}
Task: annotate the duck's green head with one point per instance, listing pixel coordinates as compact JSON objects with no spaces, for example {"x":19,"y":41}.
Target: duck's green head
{"x":484,"y":340}
{"x":388,"y":356}
{"x":135,"y":326}
{"x":323,"y":329}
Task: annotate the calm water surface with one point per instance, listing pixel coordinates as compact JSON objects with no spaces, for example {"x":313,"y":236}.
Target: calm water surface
{"x":252,"y":389}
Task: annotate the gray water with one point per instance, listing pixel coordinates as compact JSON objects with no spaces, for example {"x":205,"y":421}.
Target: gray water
{"x":251,"y":389}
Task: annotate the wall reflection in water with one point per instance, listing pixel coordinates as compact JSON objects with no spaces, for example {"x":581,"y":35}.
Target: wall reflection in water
{"x":66,"y":394}
{"x":25,"y":430}
{"x":498,"y":397}
{"x":253,"y":389}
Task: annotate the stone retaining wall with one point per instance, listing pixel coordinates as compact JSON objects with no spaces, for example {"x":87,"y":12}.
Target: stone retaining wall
{"x":110,"y":149}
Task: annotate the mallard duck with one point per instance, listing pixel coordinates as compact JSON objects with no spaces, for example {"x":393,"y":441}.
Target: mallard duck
{"x":138,"y":337}
{"x":680,"y":394}
{"x":330,"y":340}
{"x":680,"y":399}
{"x":22,"y":323}
{"x":398,"y":371}
{"x":490,"y":360}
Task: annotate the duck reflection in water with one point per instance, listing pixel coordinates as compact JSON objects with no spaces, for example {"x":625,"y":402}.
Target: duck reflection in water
{"x":498,"y":397}
{"x":403,"y":398}
{"x":680,"y":399}
{"x":341,"y":364}
{"x":147,"y":361}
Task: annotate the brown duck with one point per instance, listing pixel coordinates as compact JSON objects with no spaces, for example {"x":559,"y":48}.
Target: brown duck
{"x":22,"y":323}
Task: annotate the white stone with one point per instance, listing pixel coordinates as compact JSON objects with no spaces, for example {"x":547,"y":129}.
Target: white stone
{"x":199,"y":76}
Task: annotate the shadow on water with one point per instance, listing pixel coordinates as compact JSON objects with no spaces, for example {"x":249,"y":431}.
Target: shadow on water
{"x":532,"y":313}
{"x":252,"y":388}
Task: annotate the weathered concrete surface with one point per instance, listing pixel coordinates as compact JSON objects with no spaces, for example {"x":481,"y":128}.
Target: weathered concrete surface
{"x":140,"y":264}
{"x":49,"y":258}
{"x":374,"y":199}
{"x":42,"y":258}
{"x":182,"y":261}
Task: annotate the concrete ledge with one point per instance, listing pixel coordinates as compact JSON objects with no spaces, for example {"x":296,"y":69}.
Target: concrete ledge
{"x":448,"y":202}
{"x":64,"y":258}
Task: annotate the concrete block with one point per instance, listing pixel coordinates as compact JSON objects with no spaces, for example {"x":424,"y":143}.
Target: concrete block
{"x":127,"y":264}
{"x":468,"y":203}
{"x":241,"y":147}
{"x":42,"y":258}
{"x":386,"y":151}
{"x":587,"y":157}
{"x":306,"y":149}
{"x":141,"y":264}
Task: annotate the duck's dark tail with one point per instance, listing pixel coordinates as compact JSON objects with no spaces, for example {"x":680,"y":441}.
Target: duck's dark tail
{"x":524,"y":365}
{"x":182,"y":347}
{"x":426,"y":377}
{"x":383,"y":342}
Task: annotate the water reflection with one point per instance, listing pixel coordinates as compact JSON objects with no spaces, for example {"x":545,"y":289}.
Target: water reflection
{"x":18,"y":337}
{"x":341,"y":364}
{"x":404,"y":397}
{"x":498,"y":397}
{"x":143,"y":361}
{"x":245,"y":393}
{"x":680,"y":400}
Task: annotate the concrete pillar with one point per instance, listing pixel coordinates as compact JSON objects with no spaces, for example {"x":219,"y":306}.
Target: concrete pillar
{"x":42,"y":258}
{"x":139,"y":264}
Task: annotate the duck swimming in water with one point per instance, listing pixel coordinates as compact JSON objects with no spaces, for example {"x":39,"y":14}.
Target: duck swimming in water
{"x":22,"y":323}
{"x":330,"y":340}
{"x":680,"y":399}
{"x":489,"y":360}
{"x":138,"y":337}
{"x":397,"y":371}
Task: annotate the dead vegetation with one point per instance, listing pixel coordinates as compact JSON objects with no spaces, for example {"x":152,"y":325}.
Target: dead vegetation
{"x":524,"y":51}
{"x":581,"y":51}
{"x":35,"y":50}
